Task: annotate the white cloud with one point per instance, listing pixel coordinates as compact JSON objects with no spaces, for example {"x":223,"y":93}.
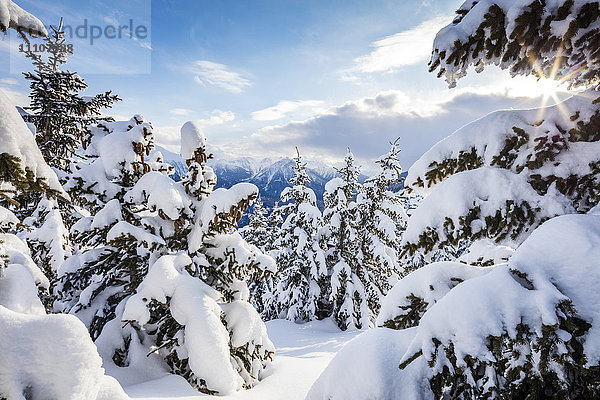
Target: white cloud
{"x":404,"y":48}
{"x":8,"y":81}
{"x":368,"y":125}
{"x":210,"y":73}
{"x":286,"y":107}
{"x":218,"y":117}
{"x":180,"y":111}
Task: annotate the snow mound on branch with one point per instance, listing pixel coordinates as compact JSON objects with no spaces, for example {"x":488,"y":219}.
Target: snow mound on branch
{"x":488,"y":136}
{"x":144,"y":238}
{"x":469,"y":26}
{"x":13,"y":16}
{"x":193,"y":304}
{"x":8,"y":220}
{"x":18,"y":280}
{"x":367,"y":368}
{"x":18,"y":141}
{"x":50,"y":356}
{"x":116,"y":150}
{"x":561,"y":259}
{"x":171,"y":198}
{"x":192,"y":138}
{"x":108,"y":215}
{"x":52,"y":232}
{"x":219,"y":201}
{"x":487,"y":188}
{"x":486,"y":250}
{"x":429,"y":283}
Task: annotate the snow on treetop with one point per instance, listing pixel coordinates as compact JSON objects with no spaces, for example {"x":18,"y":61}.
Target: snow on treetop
{"x":116,"y":150}
{"x":487,"y":137}
{"x":18,"y":141}
{"x":334,"y":184}
{"x":13,"y":16}
{"x":558,"y":262}
{"x":192,"y":138}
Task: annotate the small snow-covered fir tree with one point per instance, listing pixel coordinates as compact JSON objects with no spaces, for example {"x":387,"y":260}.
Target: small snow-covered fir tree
{"x":257,"y":230}
{"x":297,"y":288}
{"x":257,"y":233}
{"x":58,"y":112}
{"x":344,"y":256}
{"x":381,"y":218}
{"x":116,"y":242}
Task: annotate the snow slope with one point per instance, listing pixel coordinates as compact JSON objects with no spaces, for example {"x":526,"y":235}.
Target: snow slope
{"x":303,"y":352}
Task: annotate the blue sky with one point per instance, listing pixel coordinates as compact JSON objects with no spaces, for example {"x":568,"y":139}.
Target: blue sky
{"x":264,"y":76}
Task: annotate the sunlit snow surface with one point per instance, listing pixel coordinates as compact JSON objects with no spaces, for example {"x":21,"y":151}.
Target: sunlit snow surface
{"x":303,"y":352}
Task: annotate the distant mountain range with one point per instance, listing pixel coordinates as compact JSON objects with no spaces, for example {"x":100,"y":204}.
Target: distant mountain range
{"x":271,"y":176}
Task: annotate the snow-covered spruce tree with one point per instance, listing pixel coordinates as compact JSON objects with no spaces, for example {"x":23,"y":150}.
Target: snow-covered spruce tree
{"x":297,"y":288}
{"x":521,"y":167}
{"x":191,"y":309}
{"x":57,"y":110}
{"x":257,"y":230}
{"x":43,"y":356}
{"x":526,"y":329}
{"x":114,"y":243}
{"x":344,"y":257}
{"x":381,"y":219}
{"x":257,"y":233}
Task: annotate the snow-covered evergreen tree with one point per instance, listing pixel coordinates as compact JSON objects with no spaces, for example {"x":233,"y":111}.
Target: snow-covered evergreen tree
{"x":381,"y":217}
{"x":297,"y":288}
{"x":58,"y":111}
{"x":340,"y":236}
{"x":257,"y":230}
{"x":115,"y":243}
{"x":258,"y":233}
{"x":165,"y":258}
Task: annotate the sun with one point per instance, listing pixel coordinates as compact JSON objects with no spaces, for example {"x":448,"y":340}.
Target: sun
{"x":548,"y":88}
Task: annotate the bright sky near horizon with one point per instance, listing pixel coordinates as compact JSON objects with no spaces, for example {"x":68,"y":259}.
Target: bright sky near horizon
{"x":264,"y":76}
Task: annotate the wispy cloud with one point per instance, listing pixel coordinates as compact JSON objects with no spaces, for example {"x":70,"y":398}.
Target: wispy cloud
{"x":180,"y":111}
{"x":404,"y":48}
{"x":218,"y":117}
{"x":286,"y":107}
{"x":8,"y":81}
{"x":214,"y":74}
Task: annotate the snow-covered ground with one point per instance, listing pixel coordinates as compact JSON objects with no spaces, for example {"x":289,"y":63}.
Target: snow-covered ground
{"x":303,"y":352}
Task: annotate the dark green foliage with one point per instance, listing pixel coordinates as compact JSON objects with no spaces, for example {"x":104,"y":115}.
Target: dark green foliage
{"x":58,"y":112}
{"x":531,"y":47}
{"x":525,"y":367}
{"x":410,"y":314}
{"x":24,"y":182}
